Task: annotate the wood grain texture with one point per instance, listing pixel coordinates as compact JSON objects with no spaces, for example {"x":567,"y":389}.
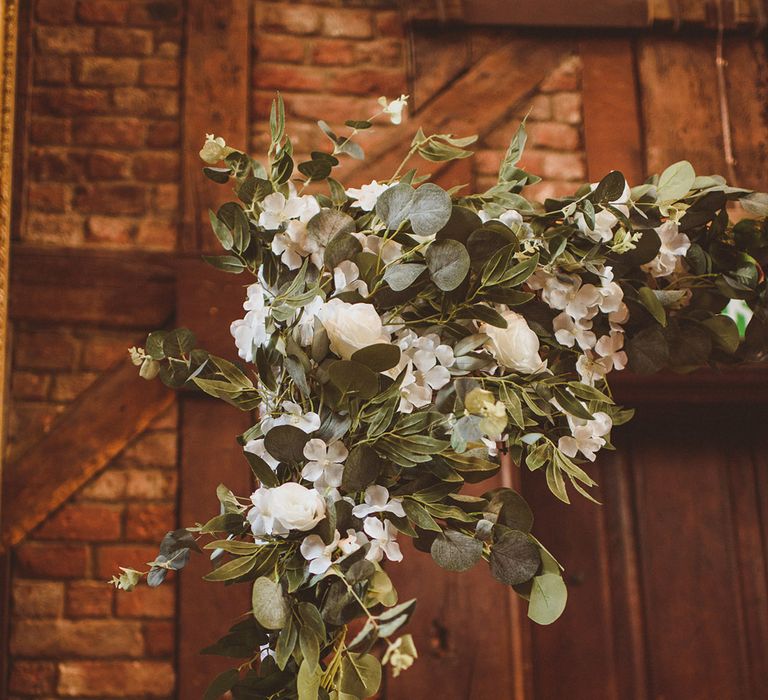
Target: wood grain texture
{"x":95,"y":428}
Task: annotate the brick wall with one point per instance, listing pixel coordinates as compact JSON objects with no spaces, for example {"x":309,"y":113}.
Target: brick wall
{"x":101,"y":169}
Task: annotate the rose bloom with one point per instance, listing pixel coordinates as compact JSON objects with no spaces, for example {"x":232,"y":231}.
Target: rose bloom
{"x":351,"y":327}
{"x":287,"y":507}
{"x":516,"y":346}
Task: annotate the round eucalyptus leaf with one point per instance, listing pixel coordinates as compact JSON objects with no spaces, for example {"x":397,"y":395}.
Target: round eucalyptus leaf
{"x":286,"y":443}
{"x":361,"y":468}
{"x":648,"y":351}
{"x":514,"y":558}
{"x":327,"y":224}
{"x":448,"y":262}
{"x":269,"y":607}
{"x":456,"y":551}
{"x":430,"y":209}
{"x":460,"y":224}
{"x":360,"y":675}
{"x":400,"y":277}
{"x":353,"y":377}
{"x":675,"y":182}
{"x":548,"y":598}
{"x":343,"y":246}
{"x":394,"y":205}
{"x":379,"y":357}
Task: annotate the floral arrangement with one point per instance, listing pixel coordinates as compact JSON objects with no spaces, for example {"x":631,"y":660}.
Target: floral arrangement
{"x":395,"y":339}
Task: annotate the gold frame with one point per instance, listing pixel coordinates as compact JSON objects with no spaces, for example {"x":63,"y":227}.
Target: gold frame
{"x":8,"y":48}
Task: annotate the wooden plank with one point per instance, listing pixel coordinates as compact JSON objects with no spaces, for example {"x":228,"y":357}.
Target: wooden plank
{"x":63,"y":285}
{"x":477,"y":102}
{"x":96,"y":427}
{"x":612,"y":131}
{"x":216,"y":74}
{"x":558,"y":13}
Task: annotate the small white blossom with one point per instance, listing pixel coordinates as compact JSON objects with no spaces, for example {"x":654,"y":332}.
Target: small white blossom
{"x":326,"y":464}
{"x":568,"y":332}
{"x":318,"y":554}
{"x":258,"y":448}
{"x":377,"y":501}
{"x":352,"y":542}
{"x":365,"y":197}
{"x":293,"y":415}
{"x":383,"y":536}
{"x":586,"y":437}
{"x":277,"y":208}
{"x":304,"y":329}
{"x":609,"y":347}
{"x":394,"y":108}
{"x":592,"y":369}
{"x":294,"y":244}
{"x":346,"y":278}
{"x":386,"y":249}
{"x":251,"y":331}
{"x":674,"y":246}
{"x":214,"y":149}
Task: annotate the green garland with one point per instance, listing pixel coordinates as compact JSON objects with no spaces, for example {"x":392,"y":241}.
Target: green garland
{"x":401,"y":335}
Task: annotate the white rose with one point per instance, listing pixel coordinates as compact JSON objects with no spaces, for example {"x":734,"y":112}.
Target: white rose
{"x":289,"y":506}
{"x":516,"y":346}
{"x":351,"y":327}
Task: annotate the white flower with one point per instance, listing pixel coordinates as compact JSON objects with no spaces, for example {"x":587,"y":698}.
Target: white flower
{"x":346,"y":278}
{"x":304,"y":329}
{"x":383,"y":536}
{"x":319,"y":554}
{"x":586,"y":436}
{"x":674,"y":245}
{"x":276,"y":208}
{"x":258,"y":448}
{"x":609,"y":347}
{"x":351,"y":327}
{"x":556,"y":290}
{"x":592,"y":369}
{"x":365,"y":197}
{"x":287,"y":507}
{"x":251,"y":331}
{"x":326,"y":463}
{"x":516,"y":346}
{"x":377,"y":501}
{"x":584,"y":303}
{"x":604,"y":220}
{"x":214,"y":149}
{"x":384,"y":248}
{"x":293,"y":415}
{"x":568,"y":331}
{"x":293,"y":245}
{"x":414,"y":392}
{"x":394,"y":108}
{"x":352,"y":542}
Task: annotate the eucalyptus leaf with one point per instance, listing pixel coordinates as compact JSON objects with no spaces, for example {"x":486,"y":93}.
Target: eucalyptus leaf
{"x":456,"y":551}
{"x":448,"y":263}
{"x":514,"y":558}
{"x":269,"y":606}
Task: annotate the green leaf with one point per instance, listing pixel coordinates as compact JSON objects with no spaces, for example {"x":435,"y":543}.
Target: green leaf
{"x":343,"y":246}
{"x":393,"y":206}
{"x":610,"y":188}
{"x":548,"y":598}
{"x":511,"y":510}
{"x":514,"y":558}
{"x":308,"y":681}
{"x":324,"y":226}
{"x":233,"y":569}
{"x":218,"y":175}
{"x":361,"y":468}
{"x":178,"y":342}
{"x":448,"y":263}
{"x":154,"y":345}
{"x":419,"y":516}
{"x":358,"y":124}
{"x":360,"y":675}
{"x":648,"y":351}
{"x":456,"y":551}
{"x":286,"y":443}
{"x":460,"y":225}
{"x":430,"y":209}
{"x":725,"y":332}
{"x":227,"y":263}
{"x":221,"y":684}
{"x":269,"y":606}
{"x":400,"y":277}
{"x":379,"y":357}
{"x":220,"y":229}
{"x":354,"y":378}
{"x":675,"y":182}
{"x":570,"y":404}
{"x":651,"y":302}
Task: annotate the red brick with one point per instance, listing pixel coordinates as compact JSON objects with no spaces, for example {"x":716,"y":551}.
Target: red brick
{"x":155,"y":12}
{"x":124,"y":41}
{"x":390,"y":23}
{"x":108,"y":486}
{"x":80,"y":521}
{"x":102,"y":11}
{"x":59,"y":229}
{"x":89,"y":599}
{"x":48,"y":196}
{"x":147,"y":602}
{"x":567,"y":76}
{"x":35,"y":678}
{"x":289,"y":18}
{"x":152,"y":448}
{"x":540,"y":108}
{"x":46,"y":350}
{"x":29,"y":385}
{"x":69,"y":102}
{"x":150,"y":484}
{"x":52,"y":560}
{"x":124,"y":132}
{"x":52,"y":70}
{"x":352,"y":23}
{"x":110,"y":557}
{"x":148,"y":522}
{"x":159,"y":72}
{"x":272,"y":76}
{"x":166,"y":198}
{"x":108,"y":165}
{"x":168,"y":419}
{"x":159,"y":638}
{"x":56,"y":164}
{"x":100,"y":352}
{"x":97,"y":71}
{"x":487,"y":162}
{"x":564,"y":166}
{"x":152,"y":102}
{"x":332,"y":108}
{"x":76,"y":638}
{"x":27,"y":422}
{"x":65,"y":40}
{"x":566,"y":107}
{"x":38,"y":598}
{"x":533,"y":160}
{"x":100,"y":679}
{"x":562,"y":137}
{"x":548,"y":189}
{"x":110,"y":229}
{"x":55,"y":11}
{"x":334,"y":52}
{"x":45,"y":131}
{"x":110,"y":199}
{"x":157,"y":234}
{"x":163,"y":134}
{"x":157,"y":167}
{"x":366,"y":81}
{"x":67,"y":387}
{"x":280,"y":48}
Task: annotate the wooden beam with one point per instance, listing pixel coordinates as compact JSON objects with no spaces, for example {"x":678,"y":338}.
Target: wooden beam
{"x":477,"y":102}
{"x":96,"y":427}
{"x":111,"y":289}
{"x":612,"y":131}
